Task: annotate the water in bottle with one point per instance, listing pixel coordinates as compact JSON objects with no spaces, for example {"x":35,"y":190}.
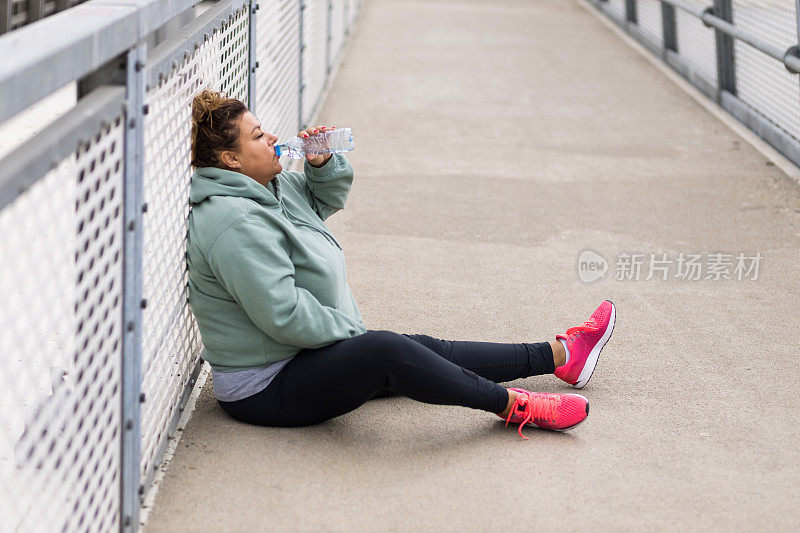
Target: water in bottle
{"x":327,"y":142}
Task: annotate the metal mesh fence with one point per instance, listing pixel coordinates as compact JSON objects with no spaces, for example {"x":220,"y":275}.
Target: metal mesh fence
{"x":171,"y":343}
{"x":18,"y":13}
{"x":338,"y":27}
{"x":60,"y":344}
{"x":649,"y":19}
{"x":616,"y":8}
{"x":696,"y":44}
{"x":277,"y":78}
{"x":353,"y":8}
{"x":752,"y":45}
{"x":62,"y":443}
{"x":761,"y":82}
{"x":315,"y":68}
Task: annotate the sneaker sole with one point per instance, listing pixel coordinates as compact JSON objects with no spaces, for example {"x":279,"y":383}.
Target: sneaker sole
{"x":594,"y":355}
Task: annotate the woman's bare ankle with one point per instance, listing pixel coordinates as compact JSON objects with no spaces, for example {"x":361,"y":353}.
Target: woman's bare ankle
{"x":559,"y":353}
{"x":511,"y":396}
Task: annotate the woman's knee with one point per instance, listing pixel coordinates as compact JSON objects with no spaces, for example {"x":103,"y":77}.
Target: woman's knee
{"x":388,"y":345}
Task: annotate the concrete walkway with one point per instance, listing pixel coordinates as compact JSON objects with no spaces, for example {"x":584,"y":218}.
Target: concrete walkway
{"x":496,"y":141}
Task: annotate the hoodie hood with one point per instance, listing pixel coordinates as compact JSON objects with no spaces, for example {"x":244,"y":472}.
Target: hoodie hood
{"x":212,"y":181}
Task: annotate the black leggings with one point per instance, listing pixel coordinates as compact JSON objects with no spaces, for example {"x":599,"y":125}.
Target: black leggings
{"x":322,"y":383}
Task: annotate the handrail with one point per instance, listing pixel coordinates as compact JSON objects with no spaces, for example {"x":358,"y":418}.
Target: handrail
{"x":687,"y":7}
{"x":778,"y":126}
{"x":789,"y":57}
{"x":64,"y":47}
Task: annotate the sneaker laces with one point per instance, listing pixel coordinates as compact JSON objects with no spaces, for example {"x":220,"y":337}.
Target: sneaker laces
{"x":576,"y":331}
{"x":592,"y":322}
{"x":533,"y":406}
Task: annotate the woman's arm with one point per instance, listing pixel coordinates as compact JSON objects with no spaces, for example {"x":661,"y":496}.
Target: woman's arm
{"x":326,"y":180}
{"x":325,"y":187}
{"x":329,"y":185}
{"x":251,"y":261}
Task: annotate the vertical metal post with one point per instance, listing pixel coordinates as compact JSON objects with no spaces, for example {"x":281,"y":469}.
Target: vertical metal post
{"x":797,"y":18}
{"x":35,"y":10}
{"x":630,"y":11}
{"x":726,"y":70}
{"x":300,"y":85}
{"x":669,"y":27}
{"x":252,"y":94}
{"x":346,"y":21}
{"x":5,"y":16}
{"x":132,"y":288}
{"x":328,"y":58}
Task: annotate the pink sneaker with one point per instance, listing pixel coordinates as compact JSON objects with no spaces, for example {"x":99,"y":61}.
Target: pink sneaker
{"x":558,"y":412}
{"x":585,"y":343}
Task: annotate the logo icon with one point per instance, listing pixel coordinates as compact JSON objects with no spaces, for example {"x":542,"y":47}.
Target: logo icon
{"x":591,"y":266}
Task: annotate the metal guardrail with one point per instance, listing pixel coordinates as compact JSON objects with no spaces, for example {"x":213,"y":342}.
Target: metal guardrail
{"x":17,"y":13}
{"x":789,"y":57}
{"x":743,"y":38}
{"x":73,"y":44}
{"x":98,"y":349}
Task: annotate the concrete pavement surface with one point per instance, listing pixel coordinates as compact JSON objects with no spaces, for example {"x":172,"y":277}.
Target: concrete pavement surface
{"x":496,"y":141}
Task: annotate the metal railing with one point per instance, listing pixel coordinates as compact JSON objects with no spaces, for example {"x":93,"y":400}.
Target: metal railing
{"x":742,"y":53}
{"x":17,"y":13}
{"x":98,"y":349}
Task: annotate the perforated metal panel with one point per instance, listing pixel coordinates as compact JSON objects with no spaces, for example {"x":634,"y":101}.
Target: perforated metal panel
{"x":315,"y":69}
{"x":352,"y":12}
{"x":616,"y":8}
{"x":762,"y":82}
{"x":696,"y":43}
{"x":62,"y":254}
{"x":278,"y":77}
{"x":338,"y":28}
{"x":648,"y":14}
{"x":18,"y":13}
{"x":61,"y":342}
{"x":171,"y":343}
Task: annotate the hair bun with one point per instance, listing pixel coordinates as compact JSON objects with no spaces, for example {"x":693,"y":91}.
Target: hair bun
{"x":204,"y":105}
{"x":216,"y":126}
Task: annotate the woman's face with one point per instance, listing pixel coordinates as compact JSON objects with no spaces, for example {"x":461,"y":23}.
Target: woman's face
{"x":256,"y":154}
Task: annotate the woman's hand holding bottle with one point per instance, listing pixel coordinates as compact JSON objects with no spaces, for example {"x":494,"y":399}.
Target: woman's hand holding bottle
{"x":316,"y":160}
{"x":317,"y":144}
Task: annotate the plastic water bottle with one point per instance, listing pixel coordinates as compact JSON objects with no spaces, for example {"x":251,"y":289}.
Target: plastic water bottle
{"x":327,"y":142}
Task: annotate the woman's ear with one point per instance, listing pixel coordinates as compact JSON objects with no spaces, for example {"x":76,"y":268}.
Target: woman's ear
{"x":229,"y":159}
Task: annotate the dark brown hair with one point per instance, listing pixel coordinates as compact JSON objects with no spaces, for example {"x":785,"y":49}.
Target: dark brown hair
{"x":215,"y":126}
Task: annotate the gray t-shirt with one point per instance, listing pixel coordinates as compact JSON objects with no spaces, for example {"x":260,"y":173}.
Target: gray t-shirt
{"x":232,"y":386}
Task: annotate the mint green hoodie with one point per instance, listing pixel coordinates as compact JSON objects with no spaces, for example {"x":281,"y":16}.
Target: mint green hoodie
{"x":266,"y":277}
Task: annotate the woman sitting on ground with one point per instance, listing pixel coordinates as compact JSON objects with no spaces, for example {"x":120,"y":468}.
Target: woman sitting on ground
{"x":281,"y":329}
